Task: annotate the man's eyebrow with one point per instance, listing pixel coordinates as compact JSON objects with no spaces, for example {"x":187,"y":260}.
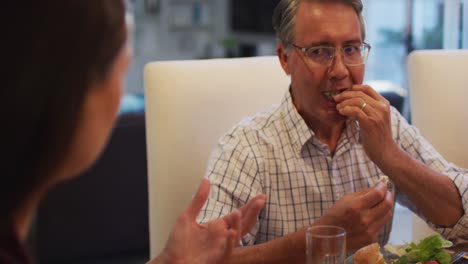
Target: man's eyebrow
{"x":354,"y":41}
{"x":329,"y":44}
{"x":320,"y":43}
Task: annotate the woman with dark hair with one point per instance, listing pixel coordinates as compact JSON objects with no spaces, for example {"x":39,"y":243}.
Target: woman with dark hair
{"x":65,"y":63}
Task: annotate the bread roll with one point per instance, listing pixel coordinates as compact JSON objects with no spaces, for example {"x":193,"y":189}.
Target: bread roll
{"x":369,"y":254}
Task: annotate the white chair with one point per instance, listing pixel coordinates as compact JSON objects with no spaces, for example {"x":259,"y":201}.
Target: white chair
{"x":189,"y":104}
{"x":438,"y":82}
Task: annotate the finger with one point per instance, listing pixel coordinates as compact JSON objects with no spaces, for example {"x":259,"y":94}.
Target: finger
{"x":379,"y":101}
{"x":349,"y":94}
{"x":250,"y":212}
{"x":375,"y":227}
{"x":232,"y":241}
{"x":355,"y":104}
{"x":368,"y":90}
{"x":237,"y":225}
{"x":198,"y":200}
{"x":363,"y":191}
{"x":381,"y":209}
{"x":233,"y":220}
{"x":366,"y":93}
{"x":233,"y":224}
{"x":354,"y":111}
{"x":374,"y":196}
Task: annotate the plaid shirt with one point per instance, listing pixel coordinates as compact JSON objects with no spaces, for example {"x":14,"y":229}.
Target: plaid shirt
{"x":276,"y":153}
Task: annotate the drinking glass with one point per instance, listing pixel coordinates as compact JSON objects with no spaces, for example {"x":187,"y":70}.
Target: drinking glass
{"x":325,"y":245}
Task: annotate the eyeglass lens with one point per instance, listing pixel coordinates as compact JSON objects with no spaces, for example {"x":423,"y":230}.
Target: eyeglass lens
{"x":352,"y":55}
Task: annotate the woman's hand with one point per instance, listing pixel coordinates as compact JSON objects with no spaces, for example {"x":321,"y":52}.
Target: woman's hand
{"x":190,"y":242}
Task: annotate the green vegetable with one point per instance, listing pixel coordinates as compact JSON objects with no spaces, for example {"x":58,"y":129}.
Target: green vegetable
{"x":430,"y":248}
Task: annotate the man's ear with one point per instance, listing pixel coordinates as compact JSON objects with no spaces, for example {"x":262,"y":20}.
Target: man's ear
{"x":283,"y":57}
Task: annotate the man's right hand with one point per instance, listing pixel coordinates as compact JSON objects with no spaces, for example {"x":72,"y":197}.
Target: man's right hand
{"x":362,"y":214}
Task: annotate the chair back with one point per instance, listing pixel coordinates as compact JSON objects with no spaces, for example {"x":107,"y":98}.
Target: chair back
{"x":189,"y":105}
{"x":438,"y":81}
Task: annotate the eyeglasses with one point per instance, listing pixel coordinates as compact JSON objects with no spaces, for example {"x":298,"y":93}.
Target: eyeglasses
{"x":353,"y":55}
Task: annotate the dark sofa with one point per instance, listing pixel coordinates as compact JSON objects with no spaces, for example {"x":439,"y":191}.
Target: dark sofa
{"x":101,"y":216}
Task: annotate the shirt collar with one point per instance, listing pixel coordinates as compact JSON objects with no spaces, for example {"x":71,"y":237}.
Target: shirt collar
{"x":349,"y":137}
{"x":298,"y":131}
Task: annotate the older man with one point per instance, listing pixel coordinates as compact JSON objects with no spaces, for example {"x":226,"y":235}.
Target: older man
{"x":318,"y":155}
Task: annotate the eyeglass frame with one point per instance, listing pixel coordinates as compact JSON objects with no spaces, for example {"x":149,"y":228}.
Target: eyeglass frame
{"x":362,"y":45}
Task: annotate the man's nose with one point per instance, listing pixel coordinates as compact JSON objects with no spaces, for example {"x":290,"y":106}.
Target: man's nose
{"x":338,"y":69}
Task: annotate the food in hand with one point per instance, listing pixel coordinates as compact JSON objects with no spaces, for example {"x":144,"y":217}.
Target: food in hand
{"x":369,"y":254}
{"x":384,"y":179}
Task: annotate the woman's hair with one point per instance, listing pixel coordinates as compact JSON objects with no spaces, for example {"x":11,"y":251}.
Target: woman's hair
{"x":286,"y":10}
{"x":52,"y":51}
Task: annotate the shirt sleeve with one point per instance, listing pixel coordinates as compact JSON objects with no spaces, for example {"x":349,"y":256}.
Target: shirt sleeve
{"x":233,"y":171}
{"x":411,"y":140}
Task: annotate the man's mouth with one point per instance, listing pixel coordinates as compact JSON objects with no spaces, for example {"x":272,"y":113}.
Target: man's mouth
{"x":330,"y":95}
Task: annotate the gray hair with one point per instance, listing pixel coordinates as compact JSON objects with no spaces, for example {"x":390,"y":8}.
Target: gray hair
{"x":286,"y":10}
